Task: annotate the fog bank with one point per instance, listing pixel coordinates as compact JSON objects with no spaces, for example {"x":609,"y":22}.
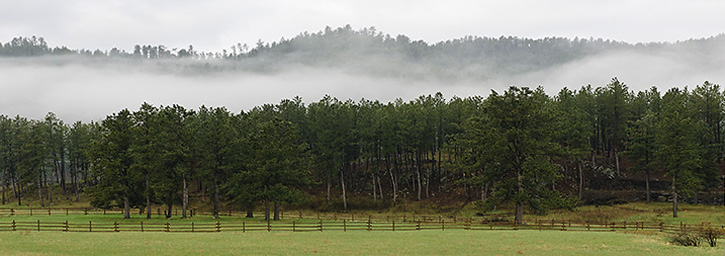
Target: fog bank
{"x":90,"y":91}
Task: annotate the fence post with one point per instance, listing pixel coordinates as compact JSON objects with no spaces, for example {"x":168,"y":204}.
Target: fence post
{"x":48,"y":211}
{"x":218,"y":226}
{"x":417,"y":226}
{"x":370,"y":224}
{"x":269,"y":226}
{"x":66,"y":211}
{"x":393,"y":225}
{"x":115,"y":226}
{"x":320,"y":225}
{"x":13,"y":226}
{"x":294,"y":229}
{"x":85,"y":211}
{"x":300,"y":214}
{"x":662,"y":227}
{"x":344,"y":225}
{"x":66,"y":226}
{"x":38,"y":225}
{"x":104,"y":211}
{"x":588,"y":227}
{"x":443,"y":225}
{"x":613,"y":225}
{"x":244,"y":227}
{"x":90,"y":226}
{"x":31,"y":211}
{"x":168,"y":227}
{"x":12,"y":211}
{"x":625,"y":224}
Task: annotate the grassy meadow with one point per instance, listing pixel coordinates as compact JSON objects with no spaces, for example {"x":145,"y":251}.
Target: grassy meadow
{"x":426,"y":242}
{"x":458,"y":242}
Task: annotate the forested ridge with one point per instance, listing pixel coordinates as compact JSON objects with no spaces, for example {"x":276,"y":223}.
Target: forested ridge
{"x":519,"y":147}
{"x":376,"y":53}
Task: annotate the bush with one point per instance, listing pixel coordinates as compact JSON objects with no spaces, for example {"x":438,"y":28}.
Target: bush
{"x":710,"y":234}
{"x":696,"y":236}
{"x":687,"y":239}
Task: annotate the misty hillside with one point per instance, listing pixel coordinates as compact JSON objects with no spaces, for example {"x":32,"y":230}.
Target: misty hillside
{"x":371,"y":52}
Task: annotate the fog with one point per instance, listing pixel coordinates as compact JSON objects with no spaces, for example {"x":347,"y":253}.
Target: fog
{"x":90,"y":90}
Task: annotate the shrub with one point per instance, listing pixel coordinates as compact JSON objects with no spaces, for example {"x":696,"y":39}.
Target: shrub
{"x":685,"y":238}
{"x":710,"y":234}
{"x":695,"y":236}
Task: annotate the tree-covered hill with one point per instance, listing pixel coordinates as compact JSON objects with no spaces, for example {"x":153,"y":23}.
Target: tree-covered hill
{"x":519,"y":147}
{"x":370,"y":51}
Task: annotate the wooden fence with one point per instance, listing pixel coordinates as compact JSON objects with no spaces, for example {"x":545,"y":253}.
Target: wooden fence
{"x":29,"y":211}
{"x":344,"y":225}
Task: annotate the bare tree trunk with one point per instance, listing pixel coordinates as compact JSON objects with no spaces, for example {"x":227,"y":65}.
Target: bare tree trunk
{"x":16,"y":190}
{"x":276,"y":210}
{"x":674,"y":198}
{"x":126,"y":208}
{"x":484,"y":192}
{"x":420,"y":187}
{"x":616,"y":159}
{"x":329,"y":186}
{"x":170,"y":205}
{"x":48,"y":188}
{"x":266,"y":209}
{"x":250,"y":212}
{"x":380,"y":189}
{"x":581,"y":181}
{"x":40,"y":191}
{"x":185,"y":199}
{"x":519,"y":205}
{"x":342,"y":183}
{"x":394,"y":186}
{"x":4,"y":185}
{"x":62,"y":169}
{"x":148,"y":197}
{"x":646,"y":184}
{"x":375,"y":192}
{"x":216,"y":198}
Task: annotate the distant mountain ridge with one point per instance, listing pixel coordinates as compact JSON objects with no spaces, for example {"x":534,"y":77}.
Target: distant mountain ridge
{"x":373,"y":52}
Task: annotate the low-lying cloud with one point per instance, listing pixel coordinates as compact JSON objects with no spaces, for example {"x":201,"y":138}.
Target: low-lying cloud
{"x":91,"y":90}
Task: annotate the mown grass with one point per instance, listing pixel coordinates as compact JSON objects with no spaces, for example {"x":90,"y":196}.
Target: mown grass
{"x":458,"y":242}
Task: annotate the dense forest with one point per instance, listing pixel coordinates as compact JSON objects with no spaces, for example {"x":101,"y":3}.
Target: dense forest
{"x":520,"y":148}
{"x":372,"y":52}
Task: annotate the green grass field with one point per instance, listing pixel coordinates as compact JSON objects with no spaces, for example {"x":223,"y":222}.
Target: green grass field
{"x":459,"y":242}
{"x":426,"y":242}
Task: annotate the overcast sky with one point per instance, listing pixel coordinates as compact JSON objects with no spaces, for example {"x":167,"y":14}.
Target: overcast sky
{"x":212,"y":25}
{"x":90,"y":92}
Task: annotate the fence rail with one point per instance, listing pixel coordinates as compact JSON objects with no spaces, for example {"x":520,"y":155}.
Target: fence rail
{"x":343,"y":225}
{"x":30,"y":211}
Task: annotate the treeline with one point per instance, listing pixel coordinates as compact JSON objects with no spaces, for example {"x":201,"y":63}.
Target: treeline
{"x":344,"y":46}
{"x":519,"y":146}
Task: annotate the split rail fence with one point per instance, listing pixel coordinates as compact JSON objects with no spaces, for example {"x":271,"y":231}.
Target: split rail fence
{"x":319,"y":226}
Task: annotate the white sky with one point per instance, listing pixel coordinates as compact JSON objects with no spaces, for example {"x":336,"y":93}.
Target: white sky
{"x":212,"y":25}
{"x":89,"y":92}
